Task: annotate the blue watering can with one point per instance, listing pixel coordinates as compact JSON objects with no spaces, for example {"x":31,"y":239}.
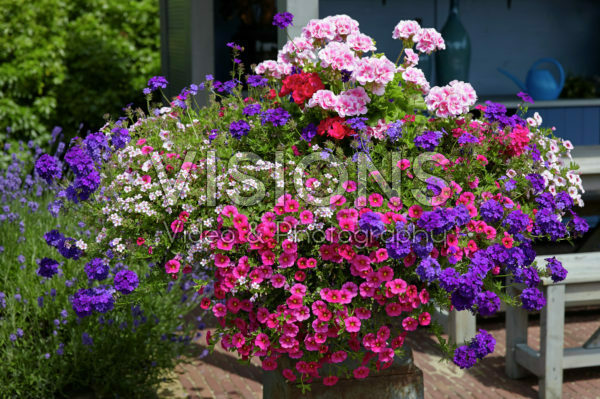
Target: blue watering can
{"x":540,"y":83}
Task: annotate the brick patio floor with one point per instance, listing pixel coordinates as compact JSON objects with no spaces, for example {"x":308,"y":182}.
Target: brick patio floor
{"x":220,"y":376}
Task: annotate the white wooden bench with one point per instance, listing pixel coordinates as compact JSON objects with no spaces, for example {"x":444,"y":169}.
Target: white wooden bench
{"x":581,"y":287}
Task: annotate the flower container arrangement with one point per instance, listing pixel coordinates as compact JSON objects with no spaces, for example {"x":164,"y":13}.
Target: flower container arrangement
{"x":332,"y":199}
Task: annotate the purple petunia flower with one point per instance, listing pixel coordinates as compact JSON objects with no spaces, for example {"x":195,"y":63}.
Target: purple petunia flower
{"x":283,"y":19}
{"x":464,"y":357}
{"x":120,"y":137}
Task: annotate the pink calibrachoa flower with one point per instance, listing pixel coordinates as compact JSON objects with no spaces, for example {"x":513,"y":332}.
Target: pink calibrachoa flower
{"x":172,"y":266}
{"x":222,"y":260}
{"x":330,"y":380}
{"x":415,"y":211}
{"x":147,"y":149}
{"x":177,"y":226}
{"x":306,"y":217}
{"x":269,"y":363}
{"x":349,"y":186}
{"x":361,"y":372}
{"x":352,"y":324}
{"x":219,"y":310}
{"x":410,"y":324}
{"x":424,"y":319}
{"x":289,"y":375}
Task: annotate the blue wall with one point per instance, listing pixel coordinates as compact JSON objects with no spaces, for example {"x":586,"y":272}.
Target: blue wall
{"x":568,"y":30}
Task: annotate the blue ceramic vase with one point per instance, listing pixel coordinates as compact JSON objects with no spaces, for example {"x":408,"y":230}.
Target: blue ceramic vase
{"x":453,"y":63}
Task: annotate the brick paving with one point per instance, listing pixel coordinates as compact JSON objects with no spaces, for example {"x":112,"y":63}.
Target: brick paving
{"x":220,"y":376}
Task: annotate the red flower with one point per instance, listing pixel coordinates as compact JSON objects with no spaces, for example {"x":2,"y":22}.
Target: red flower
{"x":141,"y":241}
{"x":335,"y":127}
{"x":302,"y":86}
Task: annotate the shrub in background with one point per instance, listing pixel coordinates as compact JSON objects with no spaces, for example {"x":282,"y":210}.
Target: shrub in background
{"x":66,"y":63}
{"x":47,"y":350}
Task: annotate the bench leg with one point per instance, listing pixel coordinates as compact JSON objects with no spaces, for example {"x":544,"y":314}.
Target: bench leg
{"x":516,"y":333}
{"x":461,"y":326}
{"x":552,"y":342}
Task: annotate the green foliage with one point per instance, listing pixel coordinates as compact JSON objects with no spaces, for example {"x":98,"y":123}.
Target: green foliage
{"x":65,"y":63}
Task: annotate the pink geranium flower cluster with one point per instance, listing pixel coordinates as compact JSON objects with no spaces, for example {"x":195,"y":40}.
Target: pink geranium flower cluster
{"x":452,"y":100}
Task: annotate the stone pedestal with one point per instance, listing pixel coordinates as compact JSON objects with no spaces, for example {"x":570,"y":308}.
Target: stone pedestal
{"x":402,"y":380}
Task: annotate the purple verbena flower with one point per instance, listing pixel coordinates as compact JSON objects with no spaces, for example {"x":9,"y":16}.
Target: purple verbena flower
{"x":525,"y":97}
{"x":239,"y":129}
{"x":283,"y":19}
{"x":48,"y":168}
{"x":157,"y":82}
{"x":126,"y":281}
{"x":47,"y":267}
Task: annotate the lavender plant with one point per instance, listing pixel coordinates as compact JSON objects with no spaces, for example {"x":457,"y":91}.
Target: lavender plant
{"x":48,"y":350}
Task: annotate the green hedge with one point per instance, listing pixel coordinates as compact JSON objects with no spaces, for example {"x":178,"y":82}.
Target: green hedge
{"x":70,"y":62}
